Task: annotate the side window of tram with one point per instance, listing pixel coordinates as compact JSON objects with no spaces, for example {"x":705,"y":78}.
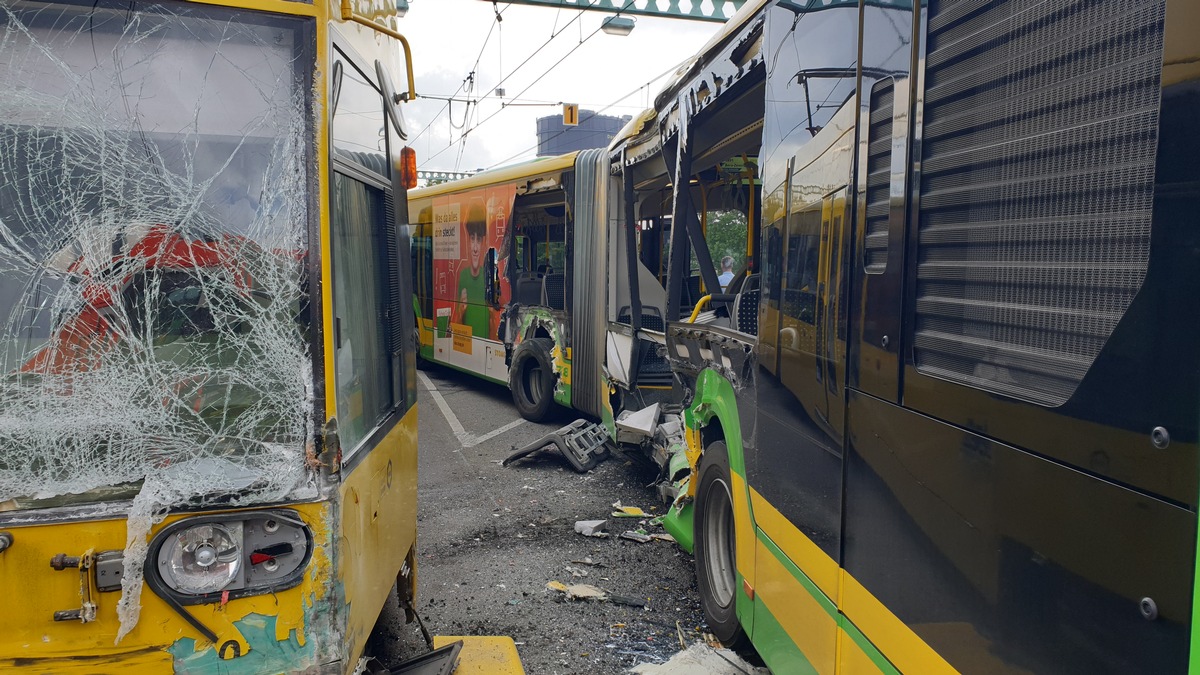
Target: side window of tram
{"x":364,"y":382}
{"x":358,"y":209}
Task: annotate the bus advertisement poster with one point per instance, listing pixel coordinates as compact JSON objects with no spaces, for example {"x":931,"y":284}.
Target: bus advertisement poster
{"x":465,"y":227}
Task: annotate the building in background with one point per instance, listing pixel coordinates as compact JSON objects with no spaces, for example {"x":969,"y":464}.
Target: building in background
{"x":593,"y":131}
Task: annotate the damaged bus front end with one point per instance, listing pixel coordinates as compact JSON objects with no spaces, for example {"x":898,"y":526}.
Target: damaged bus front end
{"x":174,"y":496}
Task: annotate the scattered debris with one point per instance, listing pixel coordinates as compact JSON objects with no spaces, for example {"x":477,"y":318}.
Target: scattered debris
{"x":578,"y":591}
{"x":663,"y":537}
{"x":628,"y":601}
{"x":590,"y":592}
{"x":588,"y":561}
{"x":582,"y":443}
{"x":639,"y":537}
{"x":701,"y":659}
{"x":576,"y":571}
{"x":628,"y":511}
{"x":592,"y":528}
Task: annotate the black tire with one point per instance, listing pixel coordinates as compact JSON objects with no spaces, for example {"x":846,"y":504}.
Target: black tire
{"x":531,"y":378}
{"x":715,"y":552}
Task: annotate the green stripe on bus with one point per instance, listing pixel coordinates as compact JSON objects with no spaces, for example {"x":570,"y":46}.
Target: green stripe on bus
{"x":865,"y":645}
{"x":822,"y":599}
{"x":828,"y":605}
{"x":776,"y":647}
{"x":1194,"y":660}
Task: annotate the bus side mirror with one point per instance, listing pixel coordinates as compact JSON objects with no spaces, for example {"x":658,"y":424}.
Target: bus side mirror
{"x":492,"y":279}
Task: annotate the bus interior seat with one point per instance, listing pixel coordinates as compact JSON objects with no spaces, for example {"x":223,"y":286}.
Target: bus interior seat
{"x":554,"y":292}
{"x":528,"y":289}
{"x":745,"y":306}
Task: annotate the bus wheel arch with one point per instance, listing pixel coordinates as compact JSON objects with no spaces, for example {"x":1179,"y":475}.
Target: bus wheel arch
{"x":531,"y":378}
{"x":715,"y":543}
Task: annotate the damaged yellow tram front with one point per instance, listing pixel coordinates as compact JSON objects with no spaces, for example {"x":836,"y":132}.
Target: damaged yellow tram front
{"x":207,"y":419}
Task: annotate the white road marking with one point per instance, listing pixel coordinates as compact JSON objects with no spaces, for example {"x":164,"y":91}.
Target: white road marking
{"x":465,"y":438}
{"x":492,"y":434}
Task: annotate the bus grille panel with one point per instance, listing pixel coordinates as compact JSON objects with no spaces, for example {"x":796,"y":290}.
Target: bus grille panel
{"x":1036,"y":187}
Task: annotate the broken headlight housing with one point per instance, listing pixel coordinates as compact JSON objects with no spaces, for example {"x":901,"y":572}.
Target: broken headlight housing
{"x":201,"y":559}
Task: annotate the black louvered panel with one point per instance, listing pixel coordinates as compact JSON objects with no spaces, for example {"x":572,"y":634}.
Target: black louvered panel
{"x":879,"y":172}
{"x":395,"y":299}
{"x":1037,"y":173}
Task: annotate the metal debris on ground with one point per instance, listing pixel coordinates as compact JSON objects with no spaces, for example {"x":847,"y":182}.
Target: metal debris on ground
{"x":639,"y":537}
{"x":592,"y":528}
{"x":628,"y":601}
{"x":582,"y":443}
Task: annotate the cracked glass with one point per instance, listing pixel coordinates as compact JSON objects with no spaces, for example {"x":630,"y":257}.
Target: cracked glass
{"x":153,"y":236}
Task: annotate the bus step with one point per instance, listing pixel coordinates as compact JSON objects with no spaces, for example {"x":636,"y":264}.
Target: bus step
{"x":441,"y":661}
{"x":583,"y":443}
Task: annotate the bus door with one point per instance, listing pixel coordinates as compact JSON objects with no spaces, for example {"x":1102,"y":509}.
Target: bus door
{"x":374,"y":385}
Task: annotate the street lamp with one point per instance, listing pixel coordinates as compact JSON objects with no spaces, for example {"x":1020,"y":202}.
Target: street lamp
{"x":617,"y":25}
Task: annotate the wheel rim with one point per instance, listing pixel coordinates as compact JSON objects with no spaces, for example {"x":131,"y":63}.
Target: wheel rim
{"x":718,"y":542}
{"x":533,"y":382}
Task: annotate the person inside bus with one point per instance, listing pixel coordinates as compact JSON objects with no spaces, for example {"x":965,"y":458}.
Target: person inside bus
{"x":726,"y":275}
{"x":472,"y":309}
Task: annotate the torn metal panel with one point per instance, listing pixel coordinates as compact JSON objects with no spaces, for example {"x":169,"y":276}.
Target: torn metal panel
{"x":692,"y":349}
{"x":525,"y":322}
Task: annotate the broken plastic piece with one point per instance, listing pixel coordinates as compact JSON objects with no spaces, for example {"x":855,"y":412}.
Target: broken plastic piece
{"x":628,"y":511}
{"x":640,"y":423}
{"x":592,"y":528}
{"x":582,"y":443}
{"x":636,"y":536}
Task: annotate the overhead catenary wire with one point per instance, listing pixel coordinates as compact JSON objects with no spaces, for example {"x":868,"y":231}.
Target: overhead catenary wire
{"x":594,"y":113}
{"x":553,"y":34}
{"x":470,"y":76}
{"x":563,"y":59}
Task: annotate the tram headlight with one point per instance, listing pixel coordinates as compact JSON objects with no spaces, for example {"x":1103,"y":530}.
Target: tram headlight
{"x":202,"y":559}
{"x":209,"y":558}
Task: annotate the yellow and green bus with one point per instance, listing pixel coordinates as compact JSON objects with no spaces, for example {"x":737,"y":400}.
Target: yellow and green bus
{"x":207,"y":395}
{"x":524,"y":278}
{"x":952,"y":424}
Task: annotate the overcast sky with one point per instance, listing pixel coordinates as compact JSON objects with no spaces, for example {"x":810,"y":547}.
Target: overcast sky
{"x":605,"y":72}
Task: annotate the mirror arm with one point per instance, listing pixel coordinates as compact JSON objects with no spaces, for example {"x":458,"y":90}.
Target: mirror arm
{"x":349,"y":15}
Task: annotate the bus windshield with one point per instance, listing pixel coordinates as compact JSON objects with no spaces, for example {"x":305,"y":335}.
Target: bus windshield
{"x":153,"y":236}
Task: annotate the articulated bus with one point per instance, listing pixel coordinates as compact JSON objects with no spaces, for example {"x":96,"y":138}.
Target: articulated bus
{"x":521,"y":278}
{"x":953,"y":425}
{"x":207,"y":407}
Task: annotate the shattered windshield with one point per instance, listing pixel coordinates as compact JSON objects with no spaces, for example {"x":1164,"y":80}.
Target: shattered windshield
{"x":154,"y":213}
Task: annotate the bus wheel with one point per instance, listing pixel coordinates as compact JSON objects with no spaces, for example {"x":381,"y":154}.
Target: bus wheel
{"x":716,"y":568}
{"x":531,"y":378}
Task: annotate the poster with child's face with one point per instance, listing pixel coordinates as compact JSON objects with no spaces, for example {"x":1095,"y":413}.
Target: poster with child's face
{"x":465,"y":227}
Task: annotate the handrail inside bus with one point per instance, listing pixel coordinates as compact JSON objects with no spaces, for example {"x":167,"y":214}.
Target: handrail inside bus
{"x":699,"y":306}
{"x":349,"y":15}
{"x":711,"y":297}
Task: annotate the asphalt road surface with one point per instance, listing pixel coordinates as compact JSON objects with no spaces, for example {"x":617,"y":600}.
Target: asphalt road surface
{"x":490,"y":538}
